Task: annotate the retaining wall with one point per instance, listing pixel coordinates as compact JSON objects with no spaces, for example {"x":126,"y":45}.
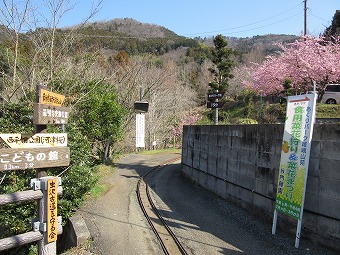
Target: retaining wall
{"x":241,"y":162}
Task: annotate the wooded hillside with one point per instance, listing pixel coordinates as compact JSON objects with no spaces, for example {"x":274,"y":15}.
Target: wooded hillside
{"x":128,"y":55}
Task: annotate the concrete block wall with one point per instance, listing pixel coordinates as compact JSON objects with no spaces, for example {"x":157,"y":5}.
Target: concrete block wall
{"x":241,"y":162}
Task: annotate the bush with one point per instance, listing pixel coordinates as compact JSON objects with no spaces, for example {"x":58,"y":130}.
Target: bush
{"x":101,"y":117}
{"x":77,"y":179}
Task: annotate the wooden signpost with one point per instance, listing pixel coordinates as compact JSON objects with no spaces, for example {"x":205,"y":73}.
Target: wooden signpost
{"x":49,"y":110}
{"x":40,"y":151}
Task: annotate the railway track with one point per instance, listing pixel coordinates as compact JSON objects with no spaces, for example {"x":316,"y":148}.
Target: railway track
{"x":167,"y":239}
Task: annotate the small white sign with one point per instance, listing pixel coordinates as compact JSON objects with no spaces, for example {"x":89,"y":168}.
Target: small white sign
{"x":36,"y":140}
{"x":140,"y":130}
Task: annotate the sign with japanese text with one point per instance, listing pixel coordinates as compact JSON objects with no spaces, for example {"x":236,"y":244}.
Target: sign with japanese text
{"x":50,"y":98}
{"x":295,"y":154}
{"x":20,"y":159}
{"x":52,"y":220}
{"x":215,"y":104}
{"x":140,"y":130}
{"x":47,"y":114}
{"x":36,"y":140}
{"x":215,"y":95}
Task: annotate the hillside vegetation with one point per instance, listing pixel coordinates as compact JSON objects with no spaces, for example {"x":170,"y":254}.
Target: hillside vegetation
{"x":255,"y":112}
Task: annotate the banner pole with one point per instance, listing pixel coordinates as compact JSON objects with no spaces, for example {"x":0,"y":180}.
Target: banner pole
{"x":274,"y":222}
{"x":298,"y":233}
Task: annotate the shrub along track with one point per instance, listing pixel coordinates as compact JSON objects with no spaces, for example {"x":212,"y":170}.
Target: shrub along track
{"x":167,"y":239}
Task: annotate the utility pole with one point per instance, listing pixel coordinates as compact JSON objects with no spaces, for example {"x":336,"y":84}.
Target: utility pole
{"x":216,"y":112}
{"x":305,"y":24}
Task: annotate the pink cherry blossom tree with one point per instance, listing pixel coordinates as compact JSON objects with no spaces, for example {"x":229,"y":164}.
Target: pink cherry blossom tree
{"x":189,"y":119}
{"x":302,"y":62}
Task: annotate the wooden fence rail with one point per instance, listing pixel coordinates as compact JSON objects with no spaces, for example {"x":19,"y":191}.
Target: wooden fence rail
{"x":14,"y":241}
{"x":23,"y":196}
{"x":32,"y":236}
{"x":29,"y":237}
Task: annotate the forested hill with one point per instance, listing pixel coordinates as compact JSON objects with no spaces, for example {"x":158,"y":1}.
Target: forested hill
{"x":131,"y":36}
{"x":137,"y":38}
{"x":133,"y":28}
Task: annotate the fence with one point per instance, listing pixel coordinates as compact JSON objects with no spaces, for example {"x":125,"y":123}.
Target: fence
{"x":47,"y":226}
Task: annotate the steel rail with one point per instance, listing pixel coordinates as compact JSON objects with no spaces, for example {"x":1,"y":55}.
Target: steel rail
{"x":148,"y":218}
{"x":154,"y":170}
{"x":172,"y":234}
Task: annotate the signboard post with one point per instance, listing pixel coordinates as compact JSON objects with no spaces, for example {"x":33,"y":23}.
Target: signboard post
{"x":49,"y":110}
{"x":295,"y":153}
{"x":213,"y":102}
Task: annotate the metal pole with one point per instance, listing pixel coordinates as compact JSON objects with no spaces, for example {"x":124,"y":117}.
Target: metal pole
{"x":261,"y":103}
{"x":298,"y":233}
{"x":305,"y":22}
{"x":274,"y":222}
{"x":216,"y":113}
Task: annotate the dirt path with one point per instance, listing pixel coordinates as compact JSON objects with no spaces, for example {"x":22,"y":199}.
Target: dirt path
{"x":115,"y":220}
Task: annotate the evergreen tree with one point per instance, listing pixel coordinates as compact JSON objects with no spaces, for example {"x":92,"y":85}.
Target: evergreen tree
{"x":221,"y":57}
{"x":334,"y":29}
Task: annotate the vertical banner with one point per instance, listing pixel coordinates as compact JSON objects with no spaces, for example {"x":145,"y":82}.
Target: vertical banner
{"x":295,"y":154}
{"x":52,"y":220}
{"x":140,"y":130}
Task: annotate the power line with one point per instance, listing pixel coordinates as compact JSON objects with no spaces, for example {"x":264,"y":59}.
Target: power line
{"x":311,"y":13}
{"x":255,"y":28}
{"x":250,"y":24}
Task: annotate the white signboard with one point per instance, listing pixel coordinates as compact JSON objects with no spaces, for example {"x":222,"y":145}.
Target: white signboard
{"x":140,"y":130}
{"x":35,"y":141}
